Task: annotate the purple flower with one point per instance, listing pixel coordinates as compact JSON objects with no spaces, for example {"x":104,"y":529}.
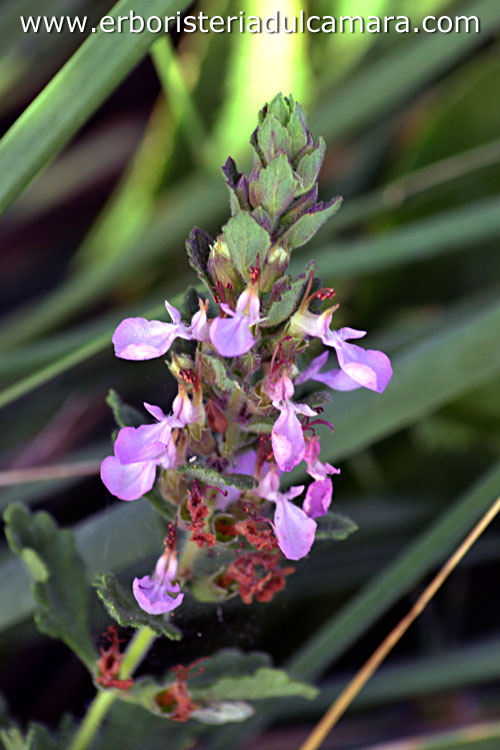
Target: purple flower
{"x":287,"y":436}
{"x":366,"y":367}
{"x":131,"y":472}
{"x":158,"y":593}
{"x":232,"y":336}
{"x":139,"y":339}
{"x":294,"y":529}
{"x":318,"y":498}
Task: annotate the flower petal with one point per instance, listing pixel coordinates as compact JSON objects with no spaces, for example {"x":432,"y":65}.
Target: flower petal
{"x":294,"y":529}
{"x":139,"y":339}
{"x":155,"y":411}
{"x":287,"y":439}
{"x":337,"y":380}
{"x":368,"y":367}
{"x":318,"y":498}
{"x":142,"y":443}
{"x":231,"y":336}
{"x":127,"y":481}
{"x":312,"y":370}
{"x":156,"y":596}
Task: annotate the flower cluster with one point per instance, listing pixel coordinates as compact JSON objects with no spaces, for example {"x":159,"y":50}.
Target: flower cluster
{"x":237,"y":427}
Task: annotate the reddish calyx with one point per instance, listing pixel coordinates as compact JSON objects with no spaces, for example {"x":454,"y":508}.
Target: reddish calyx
{"x":258,"y":574}
{"x":110,"y":662}
{"x":176,"y":698}
{"x":198,"y":512}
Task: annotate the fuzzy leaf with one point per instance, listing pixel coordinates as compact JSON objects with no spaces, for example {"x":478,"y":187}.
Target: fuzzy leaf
{"x":125,"y":415}
{"x":335,"y":525}
{"x":273,"y":138}
{"x":233,"y":675}
{"x":277,"y":186}
{"x":210,"y":476}
{"x":198,"y":248}
{"x":121,"y":605}
{"x":308,"y":224}
{"x":215,"y":372}
{"x":266,"y":682}
{"x":282,"y":309}
{"x":280,"y":109}
{"x":297,"y":127}
{"x":261,"y":425}
{"x":317,"y":399}
{"x":309,"y":166}
{"x":246,"y":241}
{"x":60,"y":588}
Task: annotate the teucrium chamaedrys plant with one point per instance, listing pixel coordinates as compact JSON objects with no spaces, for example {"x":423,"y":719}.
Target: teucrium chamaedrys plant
{"x":216,"y":465}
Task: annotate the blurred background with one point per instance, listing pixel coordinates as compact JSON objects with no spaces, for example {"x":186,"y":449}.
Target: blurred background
{"x":412,"y":127}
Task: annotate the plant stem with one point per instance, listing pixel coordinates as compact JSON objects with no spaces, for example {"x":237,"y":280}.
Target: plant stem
{"x":137,"y":649}
{"x":324,"y":727}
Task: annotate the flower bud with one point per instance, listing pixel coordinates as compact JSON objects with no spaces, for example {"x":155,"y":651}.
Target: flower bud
{"x":274,"y":267}
{"x":215,"y":417}
{"x":221,"y":267}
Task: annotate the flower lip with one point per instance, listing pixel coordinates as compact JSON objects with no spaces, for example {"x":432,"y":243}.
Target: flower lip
{"x":158,"y":594}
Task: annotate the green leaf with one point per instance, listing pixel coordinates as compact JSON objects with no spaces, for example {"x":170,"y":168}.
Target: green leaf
{"x":280,"y":109}
{"x":57,"y":113}
{"x":272,"y":138}
{"x":106,"y":540}
{"x":210,"y":476}
{"x":297,"y":127}
{"x":12,"y":739}
{"x":122,"y":607}
{"x":215,"y":371}
{"x":282,"y":309}
{"x":309,"y":166}
{"x":264,"y":683}
{"x":125,"y":415}
{"x":232,"y":674}
{"x":60,"y":588}
{"x":260,"y":425}
{"x":198,"y":246}
{"x":277,"y":186}
{"x":335,"y":525}
{"x":306,"y":227}
{"x":246,"y":241}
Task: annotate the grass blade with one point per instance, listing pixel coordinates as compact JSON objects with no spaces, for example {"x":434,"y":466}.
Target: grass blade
{"x":72,"y":96}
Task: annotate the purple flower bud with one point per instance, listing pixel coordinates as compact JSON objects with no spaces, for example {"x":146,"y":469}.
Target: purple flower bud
{"x":139,"y":339}
{"x":158,"y":594}
{"x":318,"y":498}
